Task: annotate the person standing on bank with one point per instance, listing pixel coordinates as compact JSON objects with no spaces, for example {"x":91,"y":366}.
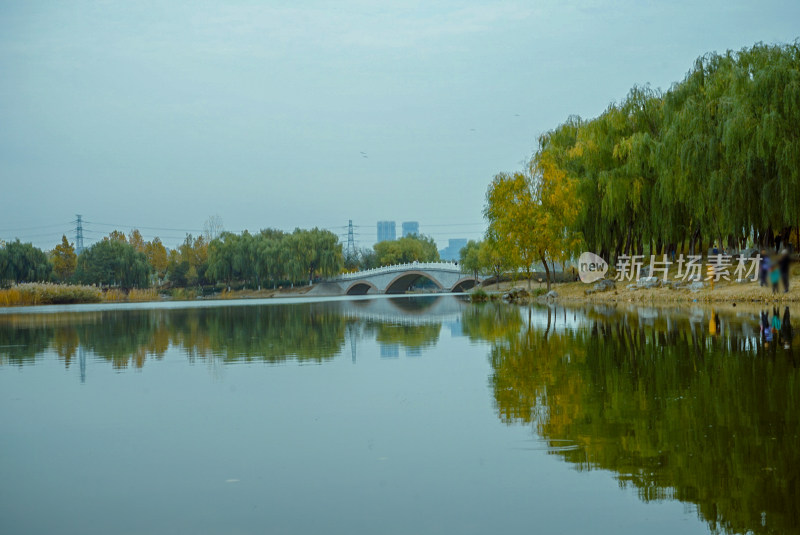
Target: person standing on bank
{"x":774,"y":278}
{"x":764,"y":267}
{"x":783,"y":266}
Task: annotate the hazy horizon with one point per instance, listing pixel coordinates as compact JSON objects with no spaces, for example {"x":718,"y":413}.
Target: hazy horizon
{"x":157,"y":116}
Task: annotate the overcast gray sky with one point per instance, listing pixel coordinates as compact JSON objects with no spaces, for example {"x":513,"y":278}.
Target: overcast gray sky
{"x":157,"y":115}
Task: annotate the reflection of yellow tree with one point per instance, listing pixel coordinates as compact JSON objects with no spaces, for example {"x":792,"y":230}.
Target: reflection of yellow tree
{"x":65,"y":343}
{"x":673,"y":412}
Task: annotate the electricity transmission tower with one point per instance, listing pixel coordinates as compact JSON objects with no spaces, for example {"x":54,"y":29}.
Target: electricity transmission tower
{"x":78,"y":234}
{"x":350,"y":250}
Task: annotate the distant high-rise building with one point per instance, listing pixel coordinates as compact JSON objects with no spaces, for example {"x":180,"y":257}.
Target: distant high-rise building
{"x":410,"y":228}
{"x":453,"y":249}
{"x":386,"y":231}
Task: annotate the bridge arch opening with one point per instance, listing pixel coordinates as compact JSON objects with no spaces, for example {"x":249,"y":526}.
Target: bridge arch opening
{"x":361,"y":288}
{"x":404,"y":282}
{"x":465,"y":284}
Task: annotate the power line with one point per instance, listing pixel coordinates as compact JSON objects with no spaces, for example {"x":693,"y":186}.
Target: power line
{"x":34,"y":236}
{"x":20,"y":229}
{"x":118,"y":226}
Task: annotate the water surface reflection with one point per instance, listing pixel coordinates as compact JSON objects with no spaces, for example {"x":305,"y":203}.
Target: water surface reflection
{"x":690,"y":405}
{"x":302,"y":332}
{"x":695,"y":406}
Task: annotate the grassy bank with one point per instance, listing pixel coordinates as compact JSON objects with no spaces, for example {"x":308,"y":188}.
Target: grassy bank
{"x":31,"y":294}
{"x":722,"y":292}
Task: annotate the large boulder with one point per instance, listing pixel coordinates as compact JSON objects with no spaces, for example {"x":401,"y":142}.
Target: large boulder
{"x":647,"y":282}
{"x":697,"y":286}
{"x":604,"y":285}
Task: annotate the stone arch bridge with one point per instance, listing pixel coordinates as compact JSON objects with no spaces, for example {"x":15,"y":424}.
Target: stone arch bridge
{"x":397,"y":279}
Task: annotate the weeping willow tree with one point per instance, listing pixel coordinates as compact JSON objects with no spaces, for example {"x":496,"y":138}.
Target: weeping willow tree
{"x":761,"y":140}
{"x":715,"y":159}
{"x":613,"y":159}
{"x":730,"y":149}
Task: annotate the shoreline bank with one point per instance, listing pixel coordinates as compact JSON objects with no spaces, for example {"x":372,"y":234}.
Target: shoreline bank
{"x":731,"y":293}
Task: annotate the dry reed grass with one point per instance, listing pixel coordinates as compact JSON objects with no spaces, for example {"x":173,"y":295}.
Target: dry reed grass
{"x":27,"y":294}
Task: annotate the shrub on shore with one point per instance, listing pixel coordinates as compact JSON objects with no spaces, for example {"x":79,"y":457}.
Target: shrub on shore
{"x":478,"y":295}
{"x":183,"y":294}
{"x":137,"y":296}
{"x":49,"y":294}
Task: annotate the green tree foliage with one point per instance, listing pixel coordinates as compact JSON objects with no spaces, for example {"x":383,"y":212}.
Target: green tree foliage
{"x":187,"y":265}
{"x":22,"y":262}
{"x":222,"y":256}
{"x":64,"y":260}
{"x":368,"y":258}
{"x":407,"y":249}
{"x":716,"y":158}
{"x":469,"y":258}
{"x":317,"y":252}
{"x":268,"y":256}
{"x":113,"y":262}
{"x":492,"y":258}
{"x":272,"y":256}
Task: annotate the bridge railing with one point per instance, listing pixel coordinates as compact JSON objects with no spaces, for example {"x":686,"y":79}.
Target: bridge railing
{"x":438,"y":266}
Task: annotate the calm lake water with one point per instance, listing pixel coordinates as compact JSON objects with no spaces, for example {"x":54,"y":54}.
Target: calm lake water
{"x":401,"y":415}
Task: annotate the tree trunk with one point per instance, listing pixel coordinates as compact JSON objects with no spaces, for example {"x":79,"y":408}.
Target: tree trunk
{"x":547,"y":330}
{"x":628,"y":247}
{"x":693,"y":242}
{"x":618,"y":250}
{"x":798,"y":234}
{"x":547,"y":272}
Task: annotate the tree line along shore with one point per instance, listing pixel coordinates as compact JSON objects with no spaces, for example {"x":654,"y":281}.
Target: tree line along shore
{"x":714,"y":161}
{"x":128,"y":268}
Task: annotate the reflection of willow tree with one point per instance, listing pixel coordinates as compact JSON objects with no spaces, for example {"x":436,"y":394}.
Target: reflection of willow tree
{"x":491,"y":321}
{"x":410,"y":336}
{"x":128,"y":338}
{"x":272,"y":334}
{"x":123,"y":338}
{"x":20,"y":345}
{"x":676,"y":413}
